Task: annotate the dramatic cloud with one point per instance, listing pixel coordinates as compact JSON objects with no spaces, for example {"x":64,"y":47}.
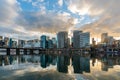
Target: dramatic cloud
{"x":41,"y":16}
{"x":27,"y":22}
{"x":8,"y":11}
{"x":51,"y":22}
{"x":108,"y":14}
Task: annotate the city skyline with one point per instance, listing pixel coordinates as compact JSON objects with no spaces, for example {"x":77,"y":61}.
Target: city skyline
{"x":27,"y":19}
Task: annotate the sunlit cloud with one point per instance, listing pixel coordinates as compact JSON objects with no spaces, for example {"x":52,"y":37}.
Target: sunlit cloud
{"x":45,"y":16}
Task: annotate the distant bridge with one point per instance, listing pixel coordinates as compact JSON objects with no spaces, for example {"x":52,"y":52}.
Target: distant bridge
{"x":36,"y":51}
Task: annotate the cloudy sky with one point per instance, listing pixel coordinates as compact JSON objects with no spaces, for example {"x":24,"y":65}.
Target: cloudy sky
{"x":32,"y":18}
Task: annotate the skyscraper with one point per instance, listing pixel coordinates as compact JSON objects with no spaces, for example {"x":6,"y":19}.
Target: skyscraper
{"x":10,"y":42}
{"x":50,"y":43}
{"x":54,"y":42}
{"x":110,"y":40}
{"x":76,"y":38}
{"x":104,"y":37}
{"x":84,"y":39}
{"x":43,"y":41}
{"x":62,"y":39}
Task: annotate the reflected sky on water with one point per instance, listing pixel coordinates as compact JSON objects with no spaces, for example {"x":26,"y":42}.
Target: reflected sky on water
{"x":59,"y":67}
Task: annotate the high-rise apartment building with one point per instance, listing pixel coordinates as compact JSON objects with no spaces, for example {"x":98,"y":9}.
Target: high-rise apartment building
{"x":62,"y":39}
{"x":10,"y":42}
{"x":84,"y":39}
{"x":43,"y":41}
{"x":110,"y":40}
{"x":76,"y":38}
{"x":107,"y":40}
{"x":50,"y":43}
{"x":104,"y":37}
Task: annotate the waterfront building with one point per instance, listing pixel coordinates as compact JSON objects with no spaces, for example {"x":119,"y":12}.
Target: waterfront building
{"x":104,"y":37}
{"x":21,"y":43}
{"x":30,"y":42}
{"x":50,"y":43}
{"x":14,"y":44}
{"x":44,"y":41}
{"x":1,"y":41}
{"x":36,"y":43}
{"x":1,"y":37}
{"x":76,"y":38}
{"x":110,"y":40}
{"x":84,"y":39}
{"x":6,"y":41}
{"x":62,"y":39}
{"x":116,"y":43}
{"x":107,"y":40}
{"x":54,"y":42}
{"x":10,"y":42}
{"x":93,"y":42}
{"x":68,"y":41}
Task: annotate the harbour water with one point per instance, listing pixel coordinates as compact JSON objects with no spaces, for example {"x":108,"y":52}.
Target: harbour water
{"x":59,"y":67}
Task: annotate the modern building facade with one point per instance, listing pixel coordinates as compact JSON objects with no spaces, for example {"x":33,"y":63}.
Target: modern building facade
{"x":6,"y":41}
{"x":10,"y":42}
{"x":50,"y":44}
{"x":21,"y":43}
{"x":107,"y":40}
{"x":84,"y":39}
{"x":54,"y":42}
{"x":62,"y":39}
{"x":43,"y":41}
{"x":104,"y":37}
{"x":110,"y":40}
{"x":76,"y":39}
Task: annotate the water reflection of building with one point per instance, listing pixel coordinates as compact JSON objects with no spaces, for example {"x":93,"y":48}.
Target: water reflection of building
{"x":43,"y":60}
{"x":6,"y":60}
{"x":46,"y":60}
{"x":76,"y":64}
{"x":108,"y":63}
{"x":62,"y":63}
{"x":104,"y":66}
{"x":1,"y":58}
{"x":86,"y":63}
{"x":81,"y":64}
{"x":11,"y":59}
